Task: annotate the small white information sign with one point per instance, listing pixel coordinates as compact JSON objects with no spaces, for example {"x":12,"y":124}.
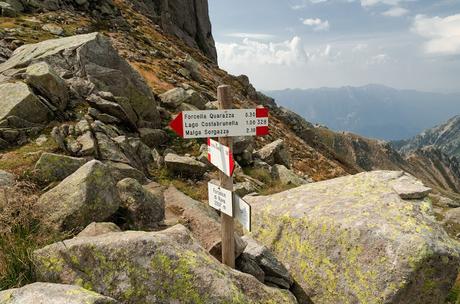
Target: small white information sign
{"x":220,"y":199}
{"x":242,"y":212}
{"x":220,"y":156}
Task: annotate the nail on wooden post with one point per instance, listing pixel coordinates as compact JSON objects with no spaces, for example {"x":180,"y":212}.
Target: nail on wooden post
{"x":228,"y":244}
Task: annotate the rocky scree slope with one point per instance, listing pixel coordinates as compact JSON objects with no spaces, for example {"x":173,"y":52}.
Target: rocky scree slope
{"x":433,"y":166}
{"x":444,"y":137}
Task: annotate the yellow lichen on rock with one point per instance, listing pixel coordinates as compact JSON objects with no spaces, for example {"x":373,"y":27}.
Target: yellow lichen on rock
{"x":354,"y":240}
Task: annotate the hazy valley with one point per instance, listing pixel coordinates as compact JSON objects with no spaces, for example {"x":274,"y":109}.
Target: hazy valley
{"x":373,"y":111}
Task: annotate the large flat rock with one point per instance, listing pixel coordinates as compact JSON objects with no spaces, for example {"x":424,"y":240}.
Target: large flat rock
{"x":48,"y":293}
{"x":151,"y":267}
{"x":355,"y":240}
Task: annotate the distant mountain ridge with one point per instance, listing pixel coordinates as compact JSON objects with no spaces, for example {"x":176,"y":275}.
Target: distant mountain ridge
{"x":373,"y":111}
{"x":445,"y":137}
{"x":357,"y":154}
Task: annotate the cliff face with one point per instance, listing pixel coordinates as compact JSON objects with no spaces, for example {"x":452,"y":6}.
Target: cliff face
{"x":187,"y":20}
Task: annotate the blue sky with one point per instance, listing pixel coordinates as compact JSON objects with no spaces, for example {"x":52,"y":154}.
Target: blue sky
{"x":408,"y":44}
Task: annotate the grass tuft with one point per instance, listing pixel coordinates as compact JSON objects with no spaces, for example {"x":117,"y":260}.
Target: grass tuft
{"x":20,"y":235}
{"x":196,"y":190}
{"x":260,"y":174}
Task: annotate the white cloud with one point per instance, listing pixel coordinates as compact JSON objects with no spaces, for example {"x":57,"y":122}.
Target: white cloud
{"x":327,"y":50}
{"x":359,"y":47}
{"x":375,"y":2}
{"x":370,"y":3}
{"x":304,"y":4}
{"x":298,"y":7}
{"x":317,"y":24}
{"x":395,"y":12}
{"x":300,"y":63}
{"x":443,"y":34}
{"x":378,"y":59}
{"x":364,"y":3}
{"x":254,"y":52}
{"x":257,"y":36}
{"x":289,"y":53}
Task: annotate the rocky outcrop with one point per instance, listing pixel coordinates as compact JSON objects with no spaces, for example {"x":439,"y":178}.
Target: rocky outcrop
{"x":40,"y":293}
{"x":151,"y":267}
{"x":286,"y":176}
{"x":178,"y":96}
{"x":89,"y":60}
{"x":184,"y":165}
{"x":41,"y":77}
{"x":355,"y":240}
{"x":96,"y":229}
{"x":256,"y":256}
{"x":187,"y":20}
{"x":407,"y":187}
{"x":140,"y":209}
{"x":55,"y":167}
{"x":202,"y":221}
{"x":154,"y":138}
{"x":19,"y":101}
{"x":107,"y":143}
{"x":88,"y":195}
{"x":274,"y":153}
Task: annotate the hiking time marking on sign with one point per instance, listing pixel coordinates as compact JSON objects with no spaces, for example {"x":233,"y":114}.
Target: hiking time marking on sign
{"x":221,"y":123}
{"x":242,"y":212}
{"x":220,"y":199}
{"x":221,"y":156}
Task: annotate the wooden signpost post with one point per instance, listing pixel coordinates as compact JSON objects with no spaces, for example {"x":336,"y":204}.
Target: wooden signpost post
{"x":228,"y":243}
{"x":224,"y":123}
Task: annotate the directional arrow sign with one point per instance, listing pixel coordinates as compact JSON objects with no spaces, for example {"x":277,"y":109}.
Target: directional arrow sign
{"x":220,"y":199}
{"x":242,"y":212}
{"x":221,"y":157}
{"x":221,"y":123}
